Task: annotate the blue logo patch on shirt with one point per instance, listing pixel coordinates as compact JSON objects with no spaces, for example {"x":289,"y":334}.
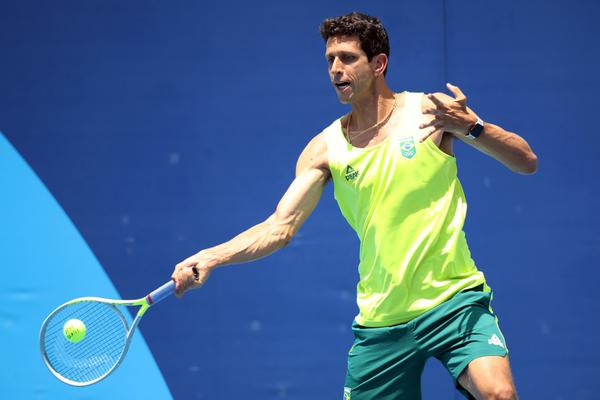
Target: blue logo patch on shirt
{"x":407,"y":147}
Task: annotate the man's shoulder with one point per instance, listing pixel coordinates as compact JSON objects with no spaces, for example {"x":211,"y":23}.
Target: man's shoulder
{"x":315,"y":153}
{"x":322,"y":138}
{"x":334,"y":126}
{"x":318,"y":144}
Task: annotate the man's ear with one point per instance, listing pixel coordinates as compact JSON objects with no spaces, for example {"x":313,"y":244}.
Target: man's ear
{"x":379,"y":63}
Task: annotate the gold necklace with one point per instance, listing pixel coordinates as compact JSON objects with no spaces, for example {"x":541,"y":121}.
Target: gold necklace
{"x":377,"y":125}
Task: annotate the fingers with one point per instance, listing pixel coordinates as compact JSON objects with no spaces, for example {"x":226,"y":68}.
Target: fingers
{"x":438,"y":126}
{"x":458,"y":94}
{"x":430,"y":123}
{"x":185,"y":263}
{"x":432,"y":111}
{"x":438,"y":103}
{"x":186,"y":276}
{"x":185,"y":280}
{"x":448,"y":114}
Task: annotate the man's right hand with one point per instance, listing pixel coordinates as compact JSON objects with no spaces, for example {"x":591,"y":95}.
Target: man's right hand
{"x":191,"y":273}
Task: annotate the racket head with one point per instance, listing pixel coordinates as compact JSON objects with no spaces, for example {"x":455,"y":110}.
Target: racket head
{"x":99,"y":353}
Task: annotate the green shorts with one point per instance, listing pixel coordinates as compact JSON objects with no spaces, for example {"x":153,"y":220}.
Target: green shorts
{"x":387,"y":363}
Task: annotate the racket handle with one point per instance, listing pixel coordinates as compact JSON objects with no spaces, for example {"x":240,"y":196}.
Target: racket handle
{"x":161,"y":293}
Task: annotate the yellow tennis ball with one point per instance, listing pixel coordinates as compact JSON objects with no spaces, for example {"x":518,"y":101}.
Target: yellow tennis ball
{"x":74,"y":330}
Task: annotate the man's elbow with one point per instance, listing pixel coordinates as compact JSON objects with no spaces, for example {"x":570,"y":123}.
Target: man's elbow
{"x":529,"y":165}
{"x":284,"y":236}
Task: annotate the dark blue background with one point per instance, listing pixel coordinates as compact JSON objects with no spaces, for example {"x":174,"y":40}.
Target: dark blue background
{"x":166,"y":127}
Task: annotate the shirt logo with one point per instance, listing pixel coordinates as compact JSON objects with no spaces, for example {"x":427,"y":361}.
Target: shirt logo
{"x":407,"y":147}
{"x":495,"y":340}
{"x":351,"y":173}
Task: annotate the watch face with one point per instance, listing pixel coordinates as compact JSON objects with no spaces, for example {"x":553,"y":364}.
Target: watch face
{"x":476,"y":129}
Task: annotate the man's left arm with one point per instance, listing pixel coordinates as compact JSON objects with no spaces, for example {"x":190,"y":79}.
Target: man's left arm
{"x":453,"y":116}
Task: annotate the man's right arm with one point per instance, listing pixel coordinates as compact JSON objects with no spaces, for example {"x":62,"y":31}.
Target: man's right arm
{"x":298,"y":202}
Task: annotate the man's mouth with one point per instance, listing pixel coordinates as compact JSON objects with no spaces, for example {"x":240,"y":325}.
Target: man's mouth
{"x":342,"y":85}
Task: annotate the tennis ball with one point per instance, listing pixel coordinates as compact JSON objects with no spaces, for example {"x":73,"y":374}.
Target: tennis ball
{"x":74,"y":330}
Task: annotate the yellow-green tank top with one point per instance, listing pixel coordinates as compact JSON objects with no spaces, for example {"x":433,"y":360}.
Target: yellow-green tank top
{"x":407,"y":206}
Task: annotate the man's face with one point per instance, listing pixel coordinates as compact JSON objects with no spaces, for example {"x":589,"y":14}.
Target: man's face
{"x":349,"y":68}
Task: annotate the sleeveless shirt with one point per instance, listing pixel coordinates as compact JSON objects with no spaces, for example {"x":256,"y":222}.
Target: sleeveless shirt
{"x":407,"y":206}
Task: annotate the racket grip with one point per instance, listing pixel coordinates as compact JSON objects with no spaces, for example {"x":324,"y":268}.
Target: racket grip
{"x":161,"y":293}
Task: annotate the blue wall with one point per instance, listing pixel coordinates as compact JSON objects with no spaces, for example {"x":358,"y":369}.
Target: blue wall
{"x":162,"y":128}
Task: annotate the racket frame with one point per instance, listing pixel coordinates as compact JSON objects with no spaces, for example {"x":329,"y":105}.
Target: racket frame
{"x":144,"y":303}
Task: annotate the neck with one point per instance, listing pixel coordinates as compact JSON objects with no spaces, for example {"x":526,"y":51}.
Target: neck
{"x":373,"y":107}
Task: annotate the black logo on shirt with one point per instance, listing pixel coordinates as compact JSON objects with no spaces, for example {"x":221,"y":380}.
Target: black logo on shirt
{"x":351,"y":173}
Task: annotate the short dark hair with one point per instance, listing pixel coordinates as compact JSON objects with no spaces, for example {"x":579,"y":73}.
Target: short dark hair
{"x":371,"y":34}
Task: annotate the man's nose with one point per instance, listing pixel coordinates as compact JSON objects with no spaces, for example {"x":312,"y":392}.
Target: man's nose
{"x":336,"y":66}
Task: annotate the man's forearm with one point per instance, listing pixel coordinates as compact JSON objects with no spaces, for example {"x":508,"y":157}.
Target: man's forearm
{"x":252,"y":244}
{"x":508,"y":148}
{"x":453,"y":116}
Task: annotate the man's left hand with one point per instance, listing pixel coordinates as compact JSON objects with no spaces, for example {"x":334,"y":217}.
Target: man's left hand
{"x":449,"y":114}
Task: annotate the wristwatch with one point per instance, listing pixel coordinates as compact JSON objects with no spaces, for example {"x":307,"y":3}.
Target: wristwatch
{"x":474,"y":132}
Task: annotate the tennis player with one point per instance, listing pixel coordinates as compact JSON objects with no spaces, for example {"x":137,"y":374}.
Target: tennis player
{"x":391,"y":161}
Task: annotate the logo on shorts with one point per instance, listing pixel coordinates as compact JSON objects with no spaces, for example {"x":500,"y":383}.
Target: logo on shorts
{"x":407,"y":147}
{"x":347,"y":392}
{"x":351,"y":173}
{"x":495,"y":340}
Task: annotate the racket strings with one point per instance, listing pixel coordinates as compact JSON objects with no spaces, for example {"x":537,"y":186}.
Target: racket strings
{"x":97,"y":355}
{"x":100,"y":349}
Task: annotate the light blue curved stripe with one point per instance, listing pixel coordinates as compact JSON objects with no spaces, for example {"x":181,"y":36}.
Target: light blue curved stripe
{"x":44,"y":261}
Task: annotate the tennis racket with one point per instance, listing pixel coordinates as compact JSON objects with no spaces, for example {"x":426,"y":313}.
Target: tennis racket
{"x":106,"y":338}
